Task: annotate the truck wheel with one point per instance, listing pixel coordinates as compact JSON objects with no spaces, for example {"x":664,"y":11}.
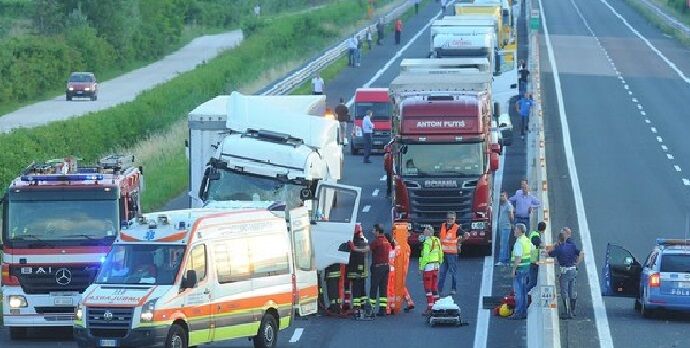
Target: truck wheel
{"x":18,"y":333}
{"x":267,"y":337}
{"x":177,"y":337}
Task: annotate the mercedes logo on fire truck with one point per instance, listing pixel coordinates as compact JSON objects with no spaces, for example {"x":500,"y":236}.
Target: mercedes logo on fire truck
{"x":63,"y":276}
{"x":108,"y":316}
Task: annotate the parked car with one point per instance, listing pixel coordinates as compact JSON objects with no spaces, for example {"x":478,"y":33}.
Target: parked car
{"x":81,"y":85}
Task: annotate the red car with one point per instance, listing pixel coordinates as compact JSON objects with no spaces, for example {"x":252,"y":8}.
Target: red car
{"x":81,"y":85}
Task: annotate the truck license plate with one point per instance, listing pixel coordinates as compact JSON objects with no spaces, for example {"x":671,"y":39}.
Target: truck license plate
{"x":107,"y":343}
{"x":63,"y":301}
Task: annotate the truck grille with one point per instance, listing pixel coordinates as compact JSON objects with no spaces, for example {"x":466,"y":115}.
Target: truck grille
{"x":109,"y":322}
{"x":45,"y":279}
{"x":429,"y":206}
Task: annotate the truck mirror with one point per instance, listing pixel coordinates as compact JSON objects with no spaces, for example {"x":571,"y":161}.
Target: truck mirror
{"x":495,"y":148}
{"x":493,"y":162}
{"x":403,"y":149}
{"x":189,"y":281}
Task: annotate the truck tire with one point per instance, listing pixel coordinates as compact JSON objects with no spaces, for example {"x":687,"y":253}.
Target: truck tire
{"x":18,"y":333}
{"x":177,"y":337}
{"x":267,"y":337}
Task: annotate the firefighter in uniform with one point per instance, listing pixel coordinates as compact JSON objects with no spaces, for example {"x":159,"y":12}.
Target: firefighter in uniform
{"x":380,"y":249}
{"x":357,"y":273}
{"x":333,"y":274}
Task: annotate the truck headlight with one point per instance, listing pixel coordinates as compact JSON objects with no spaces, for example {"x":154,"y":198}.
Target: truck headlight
{"x":147,"y":311}
{"x":17,"y":301}
{"x":87,"y":89}
{"x":479,"y":225}
{"x":71,"y":88}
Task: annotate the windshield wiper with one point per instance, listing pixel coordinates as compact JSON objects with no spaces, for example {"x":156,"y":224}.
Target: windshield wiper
{"x":32,"y":237}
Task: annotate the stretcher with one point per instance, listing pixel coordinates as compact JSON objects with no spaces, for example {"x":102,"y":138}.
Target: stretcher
{"x":445,"y":312}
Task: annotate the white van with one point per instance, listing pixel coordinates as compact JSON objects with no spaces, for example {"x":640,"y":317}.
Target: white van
{"x":189,"y":277}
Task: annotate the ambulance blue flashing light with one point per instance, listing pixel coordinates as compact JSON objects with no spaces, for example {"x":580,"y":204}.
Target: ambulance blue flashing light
{"x":67,"y":177}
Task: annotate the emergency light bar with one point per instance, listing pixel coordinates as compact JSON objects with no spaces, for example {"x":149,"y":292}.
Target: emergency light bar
{"x":67,"y":177}
{"x":670,"y":242}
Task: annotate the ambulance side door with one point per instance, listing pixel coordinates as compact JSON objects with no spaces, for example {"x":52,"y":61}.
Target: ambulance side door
{"x":197,"y":295}
{"x":304,"y":263}
{"x":333,"y":222}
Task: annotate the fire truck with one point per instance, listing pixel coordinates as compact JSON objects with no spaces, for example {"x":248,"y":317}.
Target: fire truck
{"x":59,"y":220}
{"x":442,"y":156}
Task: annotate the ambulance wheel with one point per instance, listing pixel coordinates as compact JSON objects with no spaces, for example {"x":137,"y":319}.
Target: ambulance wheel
{"x":267,"y":337}
{"x":18,"y":333}
{"x":177,"y":337}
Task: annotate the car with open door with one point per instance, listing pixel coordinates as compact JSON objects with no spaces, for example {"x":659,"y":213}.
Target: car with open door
{"x":661,"y":282}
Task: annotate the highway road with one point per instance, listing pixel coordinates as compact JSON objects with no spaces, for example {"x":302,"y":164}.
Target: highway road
{"x":619,"y":143}
{"x":126,"y":87}
{"x":407,"y":329}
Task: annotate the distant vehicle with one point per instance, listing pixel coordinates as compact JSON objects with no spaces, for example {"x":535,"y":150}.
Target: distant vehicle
{"x":376,"y":100}
{"x":82,"y":85}
{"x":662,"y":282}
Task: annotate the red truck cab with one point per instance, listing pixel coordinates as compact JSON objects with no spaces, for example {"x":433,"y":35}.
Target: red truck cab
{"x":376,"y":100}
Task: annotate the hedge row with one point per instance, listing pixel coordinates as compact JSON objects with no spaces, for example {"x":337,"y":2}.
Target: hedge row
{"x":284,"y":39}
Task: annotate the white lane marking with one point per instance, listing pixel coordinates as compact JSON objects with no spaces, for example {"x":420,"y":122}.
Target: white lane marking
{"x":669,"y":156}
{"x":677,"y":168}
{"x":643,"y":113}
{"x":396,"y":56}
{"x":296,"y":335}
{"x":659,"y":139}
{"x":647,"y":121}
{"x":654,"y":130}
{"x":366,"y":209}
{"x":639,"y":106}
{"x":383,"y":178}
{"x":629,"y":92}
{"x":686,"y":182}
{"x":626,"y":87}
{"x":648,"y":43}
{"x":634,"y":100}
{"x":375,"y":193}
{"x":481,"y":333}
{"x":664,"y":148}
{"x":600,"y":315}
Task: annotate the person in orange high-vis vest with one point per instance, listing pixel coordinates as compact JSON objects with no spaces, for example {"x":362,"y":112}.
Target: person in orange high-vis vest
{"x":393,"y":306}
{"x":402,"y":262}
{"x":451,"y":238}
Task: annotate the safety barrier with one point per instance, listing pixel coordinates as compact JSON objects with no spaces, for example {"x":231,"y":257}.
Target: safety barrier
{"x":543,"y":330}
{"x":302,"y":74}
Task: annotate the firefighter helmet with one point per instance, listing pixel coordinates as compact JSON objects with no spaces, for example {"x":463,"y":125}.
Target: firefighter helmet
{"x":505,"y":311}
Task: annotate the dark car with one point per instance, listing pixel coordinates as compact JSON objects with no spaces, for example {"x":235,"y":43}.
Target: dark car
{"x":81,"y":85}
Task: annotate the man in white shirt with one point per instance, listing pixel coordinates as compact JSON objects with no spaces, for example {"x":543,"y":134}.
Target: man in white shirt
{"x":367,"y":132}
{"x":317,"y":85}
{"x":351,"y":50}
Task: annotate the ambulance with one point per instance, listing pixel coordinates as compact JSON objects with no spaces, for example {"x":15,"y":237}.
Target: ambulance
{"x":188,"y":277}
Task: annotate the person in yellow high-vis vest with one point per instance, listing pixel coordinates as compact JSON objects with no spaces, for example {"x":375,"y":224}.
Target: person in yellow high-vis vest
{"x":535,"y":238}
{"x":451,"y":237}
{"x":521,"y":263}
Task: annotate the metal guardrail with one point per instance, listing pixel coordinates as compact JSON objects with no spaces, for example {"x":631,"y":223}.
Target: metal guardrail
{"x":298,"y":77}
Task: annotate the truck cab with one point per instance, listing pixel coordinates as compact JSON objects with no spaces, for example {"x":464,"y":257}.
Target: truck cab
{"x":376,"y":100}
{"x":59,"y":220}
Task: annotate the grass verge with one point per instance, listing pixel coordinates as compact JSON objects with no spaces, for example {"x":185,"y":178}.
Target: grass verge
{"x":659,"y":21}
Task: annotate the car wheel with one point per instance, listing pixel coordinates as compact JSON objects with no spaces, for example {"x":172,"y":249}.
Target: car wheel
{"x":267,"y":337}
{"x":646,"y":312}
{"x":177,"y":337}
{"x":18,"y":333}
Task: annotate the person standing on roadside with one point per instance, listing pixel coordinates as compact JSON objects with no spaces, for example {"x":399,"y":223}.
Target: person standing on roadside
{"x":357,"y":273}
{"x":380,"y":30}
{"x":568,"y":257}
{"x":524,"y":77}
{"x":506,"y":218}
{"x":343,"y":115}
{"x":358,"y":52}
{"x":317,"y":85}
{"x":367,"y":133}
{"x":444,"y":4}
{"x":524,"y":201}
{"x":535,"y":237}
{"x":416,"y":6}
{"x":398,"y":30}
{"x":451,"y":238}
{"x":520,"y":273}
{"x":380,"y":250}
{"x":429,"y":262}
{"x":351,"y":44}
{"x":370,"y":38}
{"x":524,"y":108}
{"x":257,"y":10}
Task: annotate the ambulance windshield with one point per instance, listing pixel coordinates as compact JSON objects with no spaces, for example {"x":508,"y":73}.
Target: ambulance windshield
{"x":141,"y":264}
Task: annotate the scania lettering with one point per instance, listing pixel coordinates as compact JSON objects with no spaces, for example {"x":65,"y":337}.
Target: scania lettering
{"x":59,"y":220}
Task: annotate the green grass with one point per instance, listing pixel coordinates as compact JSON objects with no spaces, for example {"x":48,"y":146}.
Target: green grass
{"x":166,"y":186}
{"x":660,"y":22}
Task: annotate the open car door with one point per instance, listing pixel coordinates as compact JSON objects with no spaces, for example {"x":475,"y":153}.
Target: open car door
{"x":306,"y":279}
{"x":621,"y":276}
{"x":335,"y":216}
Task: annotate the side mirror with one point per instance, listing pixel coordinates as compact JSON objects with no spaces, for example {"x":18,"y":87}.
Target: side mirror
{"x":493,"y":162}
{"x":189,"y":281}
{"x":403,"y":149}
{"x":495,"y":148}
{"x":513,"y":85}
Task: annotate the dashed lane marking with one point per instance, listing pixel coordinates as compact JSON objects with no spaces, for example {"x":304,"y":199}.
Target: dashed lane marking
{"x":654,"y":130}
{"x":383,"y":178}
{"x":659,"y":139}
{"x":677,"y":168}
{"x":669,"y":156}
{"x":686,"y":182}
{"x":664,"y":148}
{"x":366,"y":209}
{"x":296,"y":335}
{"x":375,"y":193}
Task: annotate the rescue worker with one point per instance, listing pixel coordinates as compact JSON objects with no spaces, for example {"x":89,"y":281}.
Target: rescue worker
{"x":402,"y":247}
{"x":380,"y":248}
{"x":333,"y":275}
{"x":449,"y":242}
{"x":521,"y":262}
{"x":357,"y":273}
{"x":429,"y":262}
{"x":535,"y":238}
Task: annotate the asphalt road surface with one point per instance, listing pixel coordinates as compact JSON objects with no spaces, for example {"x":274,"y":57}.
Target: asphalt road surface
{"x":624,"y":90}
{"x":123,"y":88}
{"x":406,"y":329}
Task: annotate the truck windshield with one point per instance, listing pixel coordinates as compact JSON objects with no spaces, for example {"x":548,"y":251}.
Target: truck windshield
{"x":63,"y":222}
{"x":238,"y":186}
{"x":381,"y":111}
{"x":141,"y":264}
{"x":443,"y":159}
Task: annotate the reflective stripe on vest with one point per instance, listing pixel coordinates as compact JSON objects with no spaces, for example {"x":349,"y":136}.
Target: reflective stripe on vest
{"x":534,"y":252}
{"x":449,"y":239}
{"x":526,"y":251}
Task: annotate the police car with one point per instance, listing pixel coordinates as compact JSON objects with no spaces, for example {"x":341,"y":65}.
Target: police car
{"x":661,"y":282}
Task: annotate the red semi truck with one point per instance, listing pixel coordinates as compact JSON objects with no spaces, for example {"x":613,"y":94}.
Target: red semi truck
{"x":376,"y":100}
{"x":442,"y":157}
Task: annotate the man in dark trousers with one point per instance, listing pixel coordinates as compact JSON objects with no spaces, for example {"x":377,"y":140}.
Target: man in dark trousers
{"x":524,"y":108}
{"x":380,"y":248}
{"x":342,"y":113}
{"x":398,"y":30}
{"x":357,"y":273}
{"x":379,"y":31}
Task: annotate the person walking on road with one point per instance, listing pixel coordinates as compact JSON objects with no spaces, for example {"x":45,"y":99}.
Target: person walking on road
{"x":398,"y":30}
{"x":416,"y":6}
{"x":535,"y":237}
{"x":429,"y":263}
{"x":524,"y":108}
{"x":370,"y":38}
{"x":380,"y":31}
{"x":568,"y":257}
{"x":367,"y":132}
{"x":444,"y":4}
{"x":343,"y":115}
{"x":520,"y":273}
{"x":524,"y":77}
{"x":358,"y":53}
{"x":351,"y":44}
{"x":317,"y":85}
{"x":506,"y":218}
{"x":357,"y":273}
{"x":380,"y":249}
{"x":524,"y":202}
{"x":450,"y":235}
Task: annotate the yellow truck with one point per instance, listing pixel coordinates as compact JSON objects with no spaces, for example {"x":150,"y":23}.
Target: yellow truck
{"x":498,"y":9}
